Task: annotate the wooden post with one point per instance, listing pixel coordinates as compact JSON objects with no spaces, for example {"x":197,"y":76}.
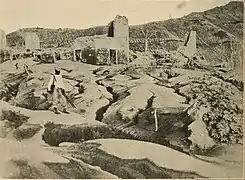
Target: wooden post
{"x":54,"y":56}
{"x":74,"y":55}
{"x":116,"y":57}
{"x":108,"y":60}
{"x":127,"y":50}
{"x":156,"y":121}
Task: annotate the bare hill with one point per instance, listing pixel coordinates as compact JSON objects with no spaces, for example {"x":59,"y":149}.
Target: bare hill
{"x":215,"y":28}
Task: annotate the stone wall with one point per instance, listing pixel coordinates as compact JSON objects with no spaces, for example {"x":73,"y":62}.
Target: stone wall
{"x":103,"y":56}
{"x":121,"y":55}
{"x":2,"y":39}
{"x":121,"y":28}
{"x":32,"y":41}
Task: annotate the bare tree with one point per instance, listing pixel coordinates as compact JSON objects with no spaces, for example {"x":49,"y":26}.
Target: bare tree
{"x":148,"y":31}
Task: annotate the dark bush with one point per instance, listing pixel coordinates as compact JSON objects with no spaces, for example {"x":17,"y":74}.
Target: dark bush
{"x":15,"y":117}
{"x":26,"y":131}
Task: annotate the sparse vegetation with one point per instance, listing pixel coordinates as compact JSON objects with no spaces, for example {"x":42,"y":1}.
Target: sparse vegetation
{"x":224,"y":118}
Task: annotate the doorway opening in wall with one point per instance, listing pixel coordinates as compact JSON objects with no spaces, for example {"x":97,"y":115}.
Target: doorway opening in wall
{"x":78,"y":55}
{"x":28,"y":50}
{"x":113,"y":56}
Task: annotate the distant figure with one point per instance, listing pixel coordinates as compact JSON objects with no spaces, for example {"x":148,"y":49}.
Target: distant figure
{"x":56,"y":88}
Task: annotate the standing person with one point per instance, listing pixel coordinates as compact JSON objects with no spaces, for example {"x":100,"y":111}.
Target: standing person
{"x":57,"y":89}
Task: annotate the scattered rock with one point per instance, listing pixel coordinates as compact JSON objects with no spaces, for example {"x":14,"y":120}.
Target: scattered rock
{"x":26,"y":131}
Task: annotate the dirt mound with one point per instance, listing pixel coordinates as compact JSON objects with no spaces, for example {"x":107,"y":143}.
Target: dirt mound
{"x":122,"y":167}
{"x":29,"y":161}
{"x":111,"y":156}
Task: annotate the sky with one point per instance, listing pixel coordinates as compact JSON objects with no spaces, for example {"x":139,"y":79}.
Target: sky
{"x":81,"y":14}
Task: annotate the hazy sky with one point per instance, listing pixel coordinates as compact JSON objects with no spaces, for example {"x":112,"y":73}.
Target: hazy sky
{"x":15,"y":14}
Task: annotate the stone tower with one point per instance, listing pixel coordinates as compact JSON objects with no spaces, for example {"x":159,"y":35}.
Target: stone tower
{"x":2,"y":39}
{"x":190,"y":44}
{"x":32,"y":41}
{"x":121,"y":28}
{"x":121,"y":31}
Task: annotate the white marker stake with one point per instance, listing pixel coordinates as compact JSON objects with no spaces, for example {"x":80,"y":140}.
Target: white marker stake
{"x":156,"y":122}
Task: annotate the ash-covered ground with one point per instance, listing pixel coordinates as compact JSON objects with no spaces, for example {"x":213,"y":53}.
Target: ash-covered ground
{"x":129,"y":121}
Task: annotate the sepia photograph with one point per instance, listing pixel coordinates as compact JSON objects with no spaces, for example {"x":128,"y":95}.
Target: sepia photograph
{"x":121,"y":89}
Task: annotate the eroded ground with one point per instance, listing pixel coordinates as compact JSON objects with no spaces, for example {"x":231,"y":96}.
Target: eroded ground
{"x":114,"y":123}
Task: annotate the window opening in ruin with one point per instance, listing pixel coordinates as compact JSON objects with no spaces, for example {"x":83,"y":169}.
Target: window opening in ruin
{"x":111,"y":30}
{"x":113,"y":56}
{"x":28,"y":50}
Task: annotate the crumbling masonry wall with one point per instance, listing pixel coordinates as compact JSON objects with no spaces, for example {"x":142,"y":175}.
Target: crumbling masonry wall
{"x":2,"y":39}
{"x":32,"y":41}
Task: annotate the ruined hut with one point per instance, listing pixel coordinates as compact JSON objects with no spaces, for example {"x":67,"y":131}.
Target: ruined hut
{"x":2,"y":39}
{"x":189,"y":49}
{"x":111,"y":48}
{"x":5,"y":52}
{"x":32,"y":42}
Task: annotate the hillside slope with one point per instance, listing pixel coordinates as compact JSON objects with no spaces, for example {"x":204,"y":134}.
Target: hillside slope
{"x":214,"y":27}
{"x":53,"y":37}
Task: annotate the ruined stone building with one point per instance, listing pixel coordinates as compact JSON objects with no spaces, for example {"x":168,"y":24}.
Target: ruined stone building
{"x":2,"y":39}
{"x":32,"y":41}
{"x":189,"y":49}
{"x":5,"y":51}
{"x":112,"y":48}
